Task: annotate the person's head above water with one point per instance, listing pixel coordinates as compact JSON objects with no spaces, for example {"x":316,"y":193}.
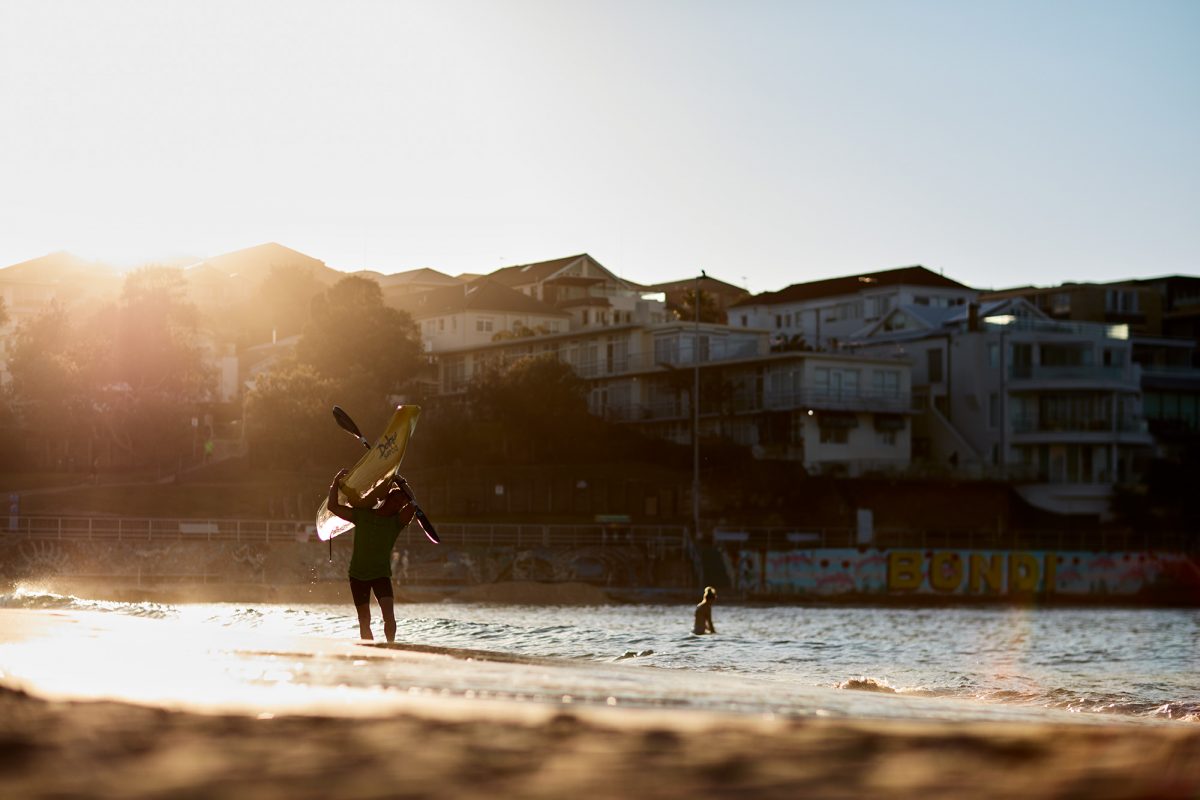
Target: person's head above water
{"x":710,"y":593}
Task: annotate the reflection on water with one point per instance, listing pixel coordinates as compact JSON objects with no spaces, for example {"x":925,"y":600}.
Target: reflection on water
{"x":783,"y":660}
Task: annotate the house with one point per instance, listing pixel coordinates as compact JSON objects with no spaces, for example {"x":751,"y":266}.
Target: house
{"x":1163,"y":317}
{"x":410,"y":282}
{"x":472,"y":314}
{"x":1006,"y":391}
{"x":818,"y":315}
{"x":585,"y":289}
{"x":836,"y":413}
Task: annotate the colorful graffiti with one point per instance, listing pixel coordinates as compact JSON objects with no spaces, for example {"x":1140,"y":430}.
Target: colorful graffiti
{"x":869,"y":571}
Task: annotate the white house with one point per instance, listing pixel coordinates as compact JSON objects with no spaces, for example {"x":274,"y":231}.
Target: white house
{"x":1005,"y":390}
{"x":818,"y":315}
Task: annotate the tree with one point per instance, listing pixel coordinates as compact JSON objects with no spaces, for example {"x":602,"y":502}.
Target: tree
{"x":365,"y":348}
{"x":282,"y":303}
{"x":53,"y":377}
{"x":536,"y":408}
{"x":709,"y":310}
{"x":287,"y":415}
{"x":156,"y":374}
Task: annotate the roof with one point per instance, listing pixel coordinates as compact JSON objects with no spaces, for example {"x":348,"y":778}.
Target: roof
{"x":852,"y":284}
{"x":524,"y":274}
{"x":707,"y":283}
{"x":253,"y":264}
{"x":531,"y":273}
{"x":54,"y":267}
{"x":483,"y":294}
{"x":421,"y":275}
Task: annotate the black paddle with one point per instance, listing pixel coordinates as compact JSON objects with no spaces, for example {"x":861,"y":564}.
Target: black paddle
{"x":345,"y":423}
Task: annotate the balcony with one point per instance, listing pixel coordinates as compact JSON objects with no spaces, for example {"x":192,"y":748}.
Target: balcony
{"x":1069,"y":424}
{"x":747,"y":403}
{"x":1071,"y":374}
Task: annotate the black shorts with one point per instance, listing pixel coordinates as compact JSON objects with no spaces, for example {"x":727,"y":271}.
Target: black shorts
{"x":361,"y":590}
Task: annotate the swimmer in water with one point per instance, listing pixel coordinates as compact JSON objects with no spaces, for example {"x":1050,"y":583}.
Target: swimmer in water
{"x":704,"y":622}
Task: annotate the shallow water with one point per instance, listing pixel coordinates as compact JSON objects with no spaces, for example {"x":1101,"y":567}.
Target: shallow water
{"x":1134,"y":664}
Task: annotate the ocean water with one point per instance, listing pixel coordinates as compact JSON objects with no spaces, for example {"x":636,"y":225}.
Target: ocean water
{"x":1103,"y":665}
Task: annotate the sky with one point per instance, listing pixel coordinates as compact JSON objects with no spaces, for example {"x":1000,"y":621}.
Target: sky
{"x":766,"y":143}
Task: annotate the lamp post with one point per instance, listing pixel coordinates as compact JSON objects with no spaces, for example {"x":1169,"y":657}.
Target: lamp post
{"x":696,"y":412}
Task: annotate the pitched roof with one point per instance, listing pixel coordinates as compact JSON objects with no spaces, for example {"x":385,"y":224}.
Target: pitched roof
{"x":522,"y":274}
{"x":852,"y":284}
{"x":483,"y":294}
{"x":58,"y":266}
{"x":420,"y":275}
{"x":255,"y":263}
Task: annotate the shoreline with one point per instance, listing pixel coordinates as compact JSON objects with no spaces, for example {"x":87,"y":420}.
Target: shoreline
{"x":58,"y":745}
{"x":541,"y":593}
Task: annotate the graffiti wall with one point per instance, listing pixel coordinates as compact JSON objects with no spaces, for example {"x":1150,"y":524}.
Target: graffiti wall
{"x":981,"y":573}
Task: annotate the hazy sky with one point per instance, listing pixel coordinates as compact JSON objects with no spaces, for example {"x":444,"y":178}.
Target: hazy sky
{"x":768,"y":143}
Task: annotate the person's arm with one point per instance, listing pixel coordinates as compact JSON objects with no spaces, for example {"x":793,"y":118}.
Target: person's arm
{"x":708,"y":619}
{"x":336,"y":507}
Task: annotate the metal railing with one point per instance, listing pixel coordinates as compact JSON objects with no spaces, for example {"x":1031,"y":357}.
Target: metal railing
{"x":1077,"y":424}
{"x":243,"y":530}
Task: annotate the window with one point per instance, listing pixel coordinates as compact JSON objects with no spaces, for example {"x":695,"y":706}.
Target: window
{"x":778,"y":321}
{"x":886,"y":438}
{"x":993,"y":355}
{"x":441,"y":324}
{"x":993,"y":410}
{"x":745,"y":323}
{"x":934,"y":364}
{"x":835,"y":435}
{"x":1121,"y":301}
{"x":921,"y":300}
{"x":886,"y":383}
{"x":483,"y":325}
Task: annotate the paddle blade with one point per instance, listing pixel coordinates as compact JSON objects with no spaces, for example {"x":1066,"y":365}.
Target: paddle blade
{"x":426,"y":526}
{"x":345,"y":423}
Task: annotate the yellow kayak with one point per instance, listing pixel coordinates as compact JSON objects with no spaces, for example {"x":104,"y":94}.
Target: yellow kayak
{"x":369,"y":479}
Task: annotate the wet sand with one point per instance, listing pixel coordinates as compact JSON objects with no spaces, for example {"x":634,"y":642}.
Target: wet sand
{"x":55,"y":748}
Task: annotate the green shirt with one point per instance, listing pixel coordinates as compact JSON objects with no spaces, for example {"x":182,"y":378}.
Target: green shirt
{"x":374,"y":538}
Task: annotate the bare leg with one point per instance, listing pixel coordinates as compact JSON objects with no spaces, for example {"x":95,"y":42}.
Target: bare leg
{"x":364,"y":620}
{"x":389,"y":618}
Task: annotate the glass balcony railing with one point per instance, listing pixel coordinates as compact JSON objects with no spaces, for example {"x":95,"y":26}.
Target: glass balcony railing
{"x":1035,"y":424}
{"x":1038,"y":372}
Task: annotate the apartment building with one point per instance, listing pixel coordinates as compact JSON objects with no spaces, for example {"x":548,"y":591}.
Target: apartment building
{"x":1163,"y":317}
{"x":819,"y":315}
{"x":1005,"y":390}
{"x":835,"y":412}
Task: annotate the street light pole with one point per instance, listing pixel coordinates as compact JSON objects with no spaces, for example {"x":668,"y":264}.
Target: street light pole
{"x":696,"y":412}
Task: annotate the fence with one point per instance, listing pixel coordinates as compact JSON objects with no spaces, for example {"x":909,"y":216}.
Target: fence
{"x":242,"y":530}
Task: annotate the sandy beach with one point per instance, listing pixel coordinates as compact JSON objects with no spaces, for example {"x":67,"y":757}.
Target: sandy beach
{"x":56,"y":744}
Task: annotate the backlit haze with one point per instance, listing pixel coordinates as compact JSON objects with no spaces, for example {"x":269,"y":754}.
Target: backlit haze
{"x":768,"y":143}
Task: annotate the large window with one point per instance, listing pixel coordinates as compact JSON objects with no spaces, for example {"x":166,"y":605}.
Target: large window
{"x":886,"y":383}
{"x":835,"y":382}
